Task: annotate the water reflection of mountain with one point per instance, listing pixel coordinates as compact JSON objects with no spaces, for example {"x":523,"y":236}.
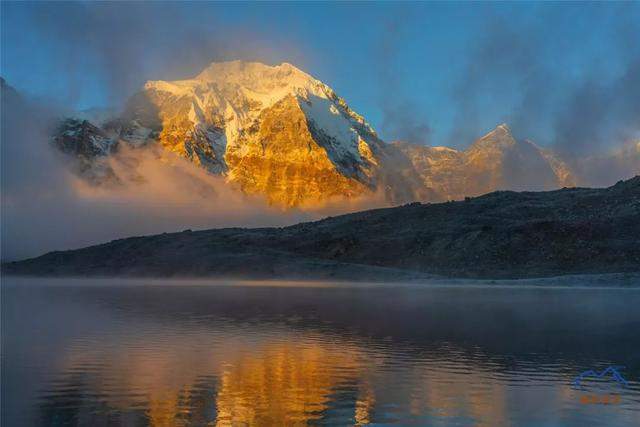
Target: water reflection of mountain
{"x":225,"y":355}
{"x":295,"y":380}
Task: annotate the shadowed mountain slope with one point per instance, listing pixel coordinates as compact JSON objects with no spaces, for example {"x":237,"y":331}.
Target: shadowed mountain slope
{"x":499,"y":235}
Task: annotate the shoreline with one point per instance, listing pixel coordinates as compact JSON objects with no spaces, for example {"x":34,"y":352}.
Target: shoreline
{"x":574,"y":281}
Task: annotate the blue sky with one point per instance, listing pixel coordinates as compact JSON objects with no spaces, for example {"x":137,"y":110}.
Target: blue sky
{"x":437,"y":73}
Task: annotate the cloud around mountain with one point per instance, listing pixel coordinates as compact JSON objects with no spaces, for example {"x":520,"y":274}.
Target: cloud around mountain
{"x":241,"y":144}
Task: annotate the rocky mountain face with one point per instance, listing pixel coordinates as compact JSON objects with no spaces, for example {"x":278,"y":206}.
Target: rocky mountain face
{"x":87,"y":144}
{"x":278,"y":132}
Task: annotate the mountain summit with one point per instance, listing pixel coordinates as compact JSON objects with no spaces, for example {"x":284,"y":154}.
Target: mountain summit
{"x":277,"y":131}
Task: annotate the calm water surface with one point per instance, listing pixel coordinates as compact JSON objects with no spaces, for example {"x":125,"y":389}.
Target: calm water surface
{"x":100,"y":352}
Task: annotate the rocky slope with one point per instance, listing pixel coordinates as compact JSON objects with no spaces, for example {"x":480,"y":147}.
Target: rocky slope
{"x":279,"y":132}
{"x":499,"y":235}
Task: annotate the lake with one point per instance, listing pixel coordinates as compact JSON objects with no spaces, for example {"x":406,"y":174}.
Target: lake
{"x":164,"y":353}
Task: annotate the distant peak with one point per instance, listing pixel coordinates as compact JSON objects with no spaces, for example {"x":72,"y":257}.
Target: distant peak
{"x":500,"y":136}
{"x":500,"y":130}
{"x":503,"y":127}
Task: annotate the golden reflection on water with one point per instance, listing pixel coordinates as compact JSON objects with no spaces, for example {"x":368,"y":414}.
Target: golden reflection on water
{"x":364,"y":406}
{"x":286,"y":381}
{"x":292,"y":378}
{"x":283,"y":383}
{"x":191,"y":360}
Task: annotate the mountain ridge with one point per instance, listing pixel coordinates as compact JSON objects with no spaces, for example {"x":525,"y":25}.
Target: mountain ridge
{"x":249,"y":123}
{"x":502,"y":234}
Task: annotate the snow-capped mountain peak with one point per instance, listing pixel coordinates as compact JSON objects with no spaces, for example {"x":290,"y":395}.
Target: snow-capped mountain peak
{"x":279,"y":132}
{"x":245,"y":85}
{"x":223,"y":116}
{"x":500,"y":136}
{"x":256,"y":76}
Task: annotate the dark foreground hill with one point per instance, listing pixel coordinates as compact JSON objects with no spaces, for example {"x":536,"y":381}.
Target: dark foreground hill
{"x":499,"y":235}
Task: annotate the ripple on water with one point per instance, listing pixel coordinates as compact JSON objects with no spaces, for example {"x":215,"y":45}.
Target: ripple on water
{"x":165,"y":356}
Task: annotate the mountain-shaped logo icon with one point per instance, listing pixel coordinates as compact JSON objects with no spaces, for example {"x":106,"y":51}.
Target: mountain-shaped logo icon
{"x":613,"y":371}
